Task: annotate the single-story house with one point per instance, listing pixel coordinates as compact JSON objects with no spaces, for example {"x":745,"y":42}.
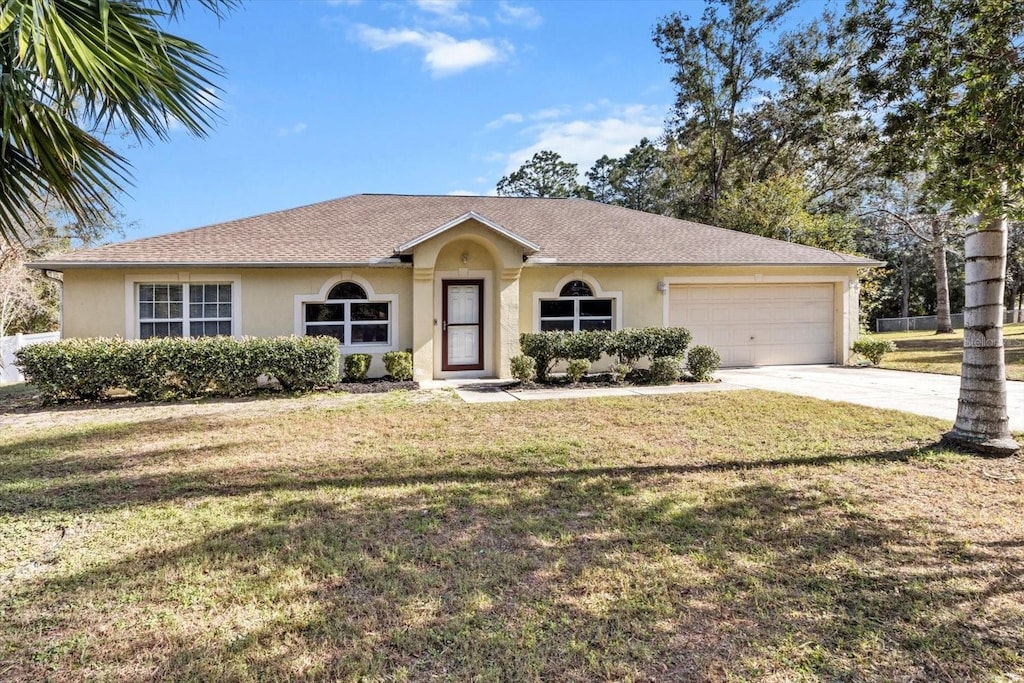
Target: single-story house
{"x":456,"y":279}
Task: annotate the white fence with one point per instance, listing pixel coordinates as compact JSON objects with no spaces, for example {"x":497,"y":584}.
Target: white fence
{"x":8,"y":345}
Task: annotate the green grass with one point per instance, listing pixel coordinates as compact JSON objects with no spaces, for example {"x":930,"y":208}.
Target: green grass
{"x":721,"y":536}
{"x":943,"y":353}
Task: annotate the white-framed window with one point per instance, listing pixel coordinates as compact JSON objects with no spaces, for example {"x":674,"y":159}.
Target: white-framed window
{"x":349,"y":315}
{"x":576,"y":308}
{"x":184,"y":309}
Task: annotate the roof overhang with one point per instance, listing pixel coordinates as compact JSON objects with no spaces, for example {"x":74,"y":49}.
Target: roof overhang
{"x":371,"y":263}
{"x":701,"y":264}
{"x":528,"y":246}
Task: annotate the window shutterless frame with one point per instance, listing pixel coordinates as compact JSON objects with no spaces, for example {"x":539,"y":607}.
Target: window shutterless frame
{"x":188,"y":309}
{"x":349,"y":315}
{"x":574,"y":314}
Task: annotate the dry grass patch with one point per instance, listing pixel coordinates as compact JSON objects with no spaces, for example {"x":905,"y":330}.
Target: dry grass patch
{"x":943,"y":353}
{"x":715,"y":536}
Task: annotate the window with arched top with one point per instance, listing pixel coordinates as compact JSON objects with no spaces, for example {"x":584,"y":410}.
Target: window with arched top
{"x":576,"y":288}
{"x":350,"y":316}
{"x":346,"y":291}
{"x":576,"y":309}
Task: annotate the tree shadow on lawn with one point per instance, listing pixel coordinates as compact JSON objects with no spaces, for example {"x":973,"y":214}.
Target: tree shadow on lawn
{"x":623,"y":574}
{"x":82,"y":484}
{"x":121,"y":445}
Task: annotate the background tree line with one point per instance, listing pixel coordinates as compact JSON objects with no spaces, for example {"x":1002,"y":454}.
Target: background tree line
{"x":769,"y":134}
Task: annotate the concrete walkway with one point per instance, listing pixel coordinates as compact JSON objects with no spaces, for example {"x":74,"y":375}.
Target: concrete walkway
{"x":912,"y":392}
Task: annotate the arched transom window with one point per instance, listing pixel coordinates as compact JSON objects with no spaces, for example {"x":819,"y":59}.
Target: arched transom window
{"x":575,"y":309}
{"x":350,"y":316}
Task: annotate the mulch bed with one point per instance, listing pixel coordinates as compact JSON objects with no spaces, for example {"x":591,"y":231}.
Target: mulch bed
{"x":376,"y":386}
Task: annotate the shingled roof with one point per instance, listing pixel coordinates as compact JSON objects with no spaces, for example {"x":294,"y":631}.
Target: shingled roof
{"x":367,"y":229}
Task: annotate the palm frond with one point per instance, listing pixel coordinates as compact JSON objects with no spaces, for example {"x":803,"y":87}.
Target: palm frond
{"x":71,"y":66}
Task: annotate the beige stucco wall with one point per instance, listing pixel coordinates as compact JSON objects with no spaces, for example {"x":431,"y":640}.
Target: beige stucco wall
{"x":93,"y":303}
{"x":95,"y":300}
{"x":641,"y":304}
{"x":469,"y":250}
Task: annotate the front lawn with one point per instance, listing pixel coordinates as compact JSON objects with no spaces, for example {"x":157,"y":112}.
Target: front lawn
{"x":720,"y":536}
{"x":943,"y":353}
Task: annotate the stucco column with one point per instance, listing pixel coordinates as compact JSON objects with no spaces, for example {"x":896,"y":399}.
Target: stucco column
{"x":423,"y":324}
{"x":852,"y":317}
{"x":508,"y":320}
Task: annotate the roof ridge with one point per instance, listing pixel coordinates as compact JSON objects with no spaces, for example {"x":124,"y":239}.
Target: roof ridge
{"x":454,"y":196}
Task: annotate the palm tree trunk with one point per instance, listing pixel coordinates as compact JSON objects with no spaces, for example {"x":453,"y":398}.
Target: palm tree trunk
{"x":943,"y":323}
{"x":982,"y":423}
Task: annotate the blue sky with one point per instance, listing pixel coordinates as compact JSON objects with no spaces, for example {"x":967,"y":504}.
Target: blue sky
{"x":326,"y":99}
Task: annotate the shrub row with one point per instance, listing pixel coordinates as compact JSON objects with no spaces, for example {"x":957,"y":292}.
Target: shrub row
{"x":164,"y":369}
{"x":398,"y":365}
{"x":629,"y":345}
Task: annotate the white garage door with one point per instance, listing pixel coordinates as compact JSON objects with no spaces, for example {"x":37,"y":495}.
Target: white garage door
{"x":758,"y":324}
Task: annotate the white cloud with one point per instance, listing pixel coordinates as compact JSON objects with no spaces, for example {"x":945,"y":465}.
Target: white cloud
{"x":583,"y":141}
{"x":348,"y":3}
{"x":446,"y":11}
{"x":550,"y":113}
{"x":443,"y":55}
{"x":516,"y":117}
{"x":295,"y":129}
{"x":504,"y":119}
{"x":463,"y":193}
{"x":522,"y":15}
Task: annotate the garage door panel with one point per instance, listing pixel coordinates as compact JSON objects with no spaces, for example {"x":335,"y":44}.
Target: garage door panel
{"x":736,"y":356}
{"x":723,"y":336}
{"x":722,"y":315}
{"x":785,"y":335}
{"x":744,"y":312}
{"x":817,"y":336}
{"x":759,"y":324}
{"x":702,"y":314}
{"x":820,"y":314}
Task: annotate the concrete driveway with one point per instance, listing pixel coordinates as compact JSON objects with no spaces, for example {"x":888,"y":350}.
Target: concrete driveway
{"x":912,"y":392}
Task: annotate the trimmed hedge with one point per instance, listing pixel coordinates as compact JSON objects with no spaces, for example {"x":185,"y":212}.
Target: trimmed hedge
{"x":586,"y":345}
{"x":524,"y":368}
{"x":702,"y":363}
{"x":546,"y":349}
{"x":169,"y":368}
{"x":635,"y":343}
{"x":578,"y":367}
{"x":630,"y":345}
{"x":356,"y":366}
{"x":666,"y":370}
{"x":399,"y":365}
